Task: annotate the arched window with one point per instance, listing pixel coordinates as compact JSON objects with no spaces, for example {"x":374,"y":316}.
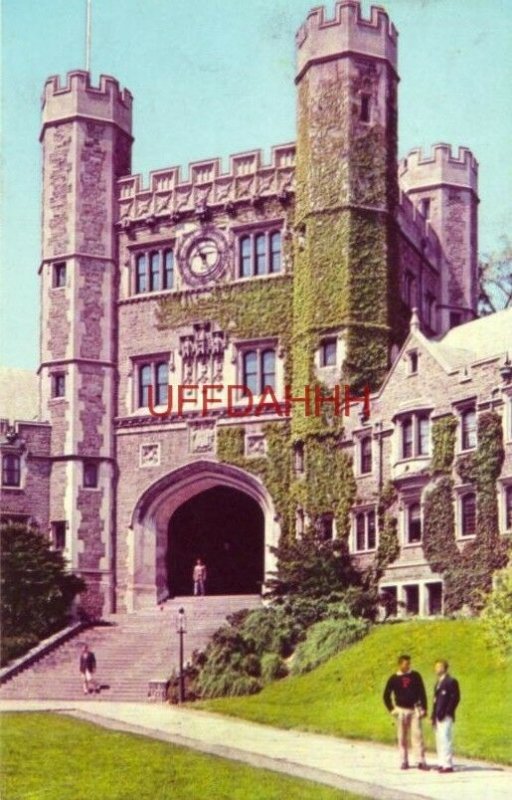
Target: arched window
{"x":154,"y":272}
{"x":260,"y":254}
{"x":469,"y":514}
{"x":414,"y":524}
{"x":366,"y":455}
{"x":141,"y":277}
{"x":168,"y":269}
{"x":268,"y":369}
{"x":275,"y":252}
{"x":250,"y":371}
{"x":11,"y":471}
{"x":144,"y":383}
{"x":245,"y":257}
{"x":468,"y":424}
{"x":162,"y":382}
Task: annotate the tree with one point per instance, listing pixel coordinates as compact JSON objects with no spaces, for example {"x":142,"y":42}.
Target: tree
{"x":36,"y":589}
{"x":495,"y":276}
{"x":497,"y":613}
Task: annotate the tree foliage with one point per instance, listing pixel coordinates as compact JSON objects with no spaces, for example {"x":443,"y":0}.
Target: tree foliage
{"x":36,"y":589}
{"x":495,"y":272}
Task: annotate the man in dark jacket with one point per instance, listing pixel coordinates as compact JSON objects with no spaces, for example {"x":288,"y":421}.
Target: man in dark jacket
{"x":406,"y":699}
{"x":446,"y":700}
{"x":87,"y":669}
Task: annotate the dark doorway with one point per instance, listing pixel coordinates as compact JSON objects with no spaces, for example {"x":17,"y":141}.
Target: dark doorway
{"x":412,"y":599}
{"x":435,"y":598}
{"x":225,"y":528}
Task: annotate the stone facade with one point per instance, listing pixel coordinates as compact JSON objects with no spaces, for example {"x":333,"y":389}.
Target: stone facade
{"x":300,"y":270}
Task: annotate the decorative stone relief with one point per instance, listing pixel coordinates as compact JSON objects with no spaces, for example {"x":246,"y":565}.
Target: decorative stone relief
{"x":201,"y":437}
{"x":202,"y":355}
{"x":255,"y":445}
{"x":149,"y":455}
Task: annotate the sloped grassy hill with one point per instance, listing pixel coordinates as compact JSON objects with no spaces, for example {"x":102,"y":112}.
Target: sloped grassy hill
{"x":343,"y":697}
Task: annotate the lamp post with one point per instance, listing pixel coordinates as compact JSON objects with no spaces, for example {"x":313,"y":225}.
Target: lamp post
{"x":181,"y":627}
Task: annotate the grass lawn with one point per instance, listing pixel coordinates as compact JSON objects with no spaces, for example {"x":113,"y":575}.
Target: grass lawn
{"x":343,"y":697}
{"x":47,"y":757}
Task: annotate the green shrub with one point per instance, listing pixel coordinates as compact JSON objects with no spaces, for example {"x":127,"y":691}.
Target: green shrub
{"x":497,"y":613}
{"x":324,"y":640}
{"x":36,"y":589}
{"x":272,"y":667}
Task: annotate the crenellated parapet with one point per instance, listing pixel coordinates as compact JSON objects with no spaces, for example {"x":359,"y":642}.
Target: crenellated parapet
{"x":441,"y":166}
{"x":248,"y":180}
{"x":78,"y":98}
{"x":348,"y":32}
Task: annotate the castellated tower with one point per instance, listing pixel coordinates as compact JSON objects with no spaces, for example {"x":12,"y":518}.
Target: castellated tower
{"x":444,"y":187}
{"x":86,"y":141}
{"x":346,"y":194}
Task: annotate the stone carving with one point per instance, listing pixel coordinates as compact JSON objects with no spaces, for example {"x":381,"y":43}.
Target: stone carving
{"x":149,"y":455}
{"x":255,"y":445}
{"x":202,"y":437}
{"x":202,"y":355}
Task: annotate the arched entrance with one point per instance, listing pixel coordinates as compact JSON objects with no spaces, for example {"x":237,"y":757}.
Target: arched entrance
{"x":205,"y":506}
{"x":225,"y":528}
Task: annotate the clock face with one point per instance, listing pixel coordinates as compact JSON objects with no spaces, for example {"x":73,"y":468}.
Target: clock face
{"x":202,"y":256}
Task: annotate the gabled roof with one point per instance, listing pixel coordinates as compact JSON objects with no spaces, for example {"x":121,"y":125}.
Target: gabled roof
{"x":19,"y":394}
{"x":482,"y":338}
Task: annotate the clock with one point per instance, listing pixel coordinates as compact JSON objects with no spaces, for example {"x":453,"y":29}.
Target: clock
{"x":202,"y":256}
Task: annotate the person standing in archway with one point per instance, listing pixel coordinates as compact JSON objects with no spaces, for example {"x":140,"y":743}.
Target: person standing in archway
{"x":199,"y":577}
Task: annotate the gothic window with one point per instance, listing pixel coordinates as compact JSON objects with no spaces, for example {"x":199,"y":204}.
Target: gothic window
{"x":414,"y":524}
{"x":430,"y":308}
{"x":328,"y":353}
{"x":413,"y":362}
{"x":298,"y":458}
{"x":168,"y":269}
{"x":58,"y":384}
{"x":259,"y":370}
{"x":141,"y":279}
{"x":59,"y":535}
{"x":508,"y":508}
{"x":423,"y":435}
{"x":365,"y":531}
{"x":59,"y":275}
{"x":162,"y":383}
{"x":154,"y":272}
{"x":326,"y":528}
{"x":275,"y":252}
{"x":409,"y":288}
{"x":11,"y":470}
{"x":144,"y":384}
{"x":407,"y":438}
{"x":468,"y":429}
{"x":259,"y":253}
{"x":468,"y":504}
{"x":366,"y":455}
{"x":90,"y":474}
{"x":365,"y":108}
{"x":245,"y":257}
{"x":425,"y":207}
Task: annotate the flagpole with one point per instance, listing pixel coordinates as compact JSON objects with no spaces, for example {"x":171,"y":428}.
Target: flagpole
{"x":88,"y":28}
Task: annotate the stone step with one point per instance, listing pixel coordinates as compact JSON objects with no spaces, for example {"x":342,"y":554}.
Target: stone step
{"x":131,"y":650}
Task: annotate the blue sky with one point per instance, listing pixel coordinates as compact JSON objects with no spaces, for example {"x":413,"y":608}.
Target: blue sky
{"x":213,"y":77}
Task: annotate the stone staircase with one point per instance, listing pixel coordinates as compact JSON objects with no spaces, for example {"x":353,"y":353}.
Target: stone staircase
{"x":130,"y":649}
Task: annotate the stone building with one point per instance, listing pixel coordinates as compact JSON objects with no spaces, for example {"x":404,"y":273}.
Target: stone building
{"x":299,"y":271}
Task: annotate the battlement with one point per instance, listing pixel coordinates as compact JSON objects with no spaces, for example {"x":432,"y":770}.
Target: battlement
{"x":440,"y":167}
{"x":77,"y":97}
{"x":248,"y":179}
{"x":321,"y":38}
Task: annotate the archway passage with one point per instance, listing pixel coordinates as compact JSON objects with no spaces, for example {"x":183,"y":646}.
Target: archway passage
{"x":225,"y":528}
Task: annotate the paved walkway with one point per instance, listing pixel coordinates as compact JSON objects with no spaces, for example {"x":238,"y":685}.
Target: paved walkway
{"x":363,"y":767}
